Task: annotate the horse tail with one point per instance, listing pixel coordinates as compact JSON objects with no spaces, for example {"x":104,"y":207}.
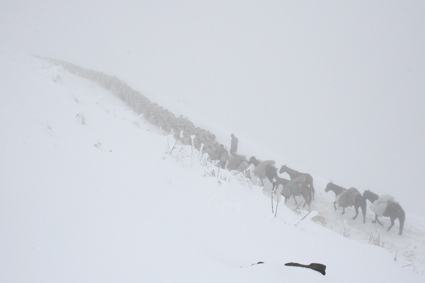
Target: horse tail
{"x":307,"y":194}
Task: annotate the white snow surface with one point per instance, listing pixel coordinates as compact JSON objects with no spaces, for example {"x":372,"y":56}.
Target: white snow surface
{"x":90,"y":193}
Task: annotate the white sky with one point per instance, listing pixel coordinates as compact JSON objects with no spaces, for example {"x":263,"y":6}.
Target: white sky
{"x":335,"y":88}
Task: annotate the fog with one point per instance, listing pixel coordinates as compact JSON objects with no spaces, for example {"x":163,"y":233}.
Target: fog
{"x":335,"y":88}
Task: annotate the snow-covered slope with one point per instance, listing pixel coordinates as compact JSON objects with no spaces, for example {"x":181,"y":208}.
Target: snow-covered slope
{"x":90,"y":193}
{"x":330,"y":88}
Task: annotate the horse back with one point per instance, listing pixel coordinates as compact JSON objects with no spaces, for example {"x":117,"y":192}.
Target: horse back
{"x":308,"y":177}
{"x":350,"y":197}
{"x":394,"y":209}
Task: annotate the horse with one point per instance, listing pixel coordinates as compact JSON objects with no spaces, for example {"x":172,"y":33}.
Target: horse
{"x":254,"y":161}
{"x":271,"y":173}
{"x":359,"y":200}
{"x":393,"y":211}
{"x":264,"y":169}
{"x":304,"y":190}
{"x":294,"y":174}
{"x":235,"y":161}
{"x":279,"y":181}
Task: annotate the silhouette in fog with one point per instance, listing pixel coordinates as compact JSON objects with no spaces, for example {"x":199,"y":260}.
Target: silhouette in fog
{"x":233,"y":144}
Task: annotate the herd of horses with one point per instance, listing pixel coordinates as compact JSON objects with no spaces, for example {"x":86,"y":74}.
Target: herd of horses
{"x":343,"y":197}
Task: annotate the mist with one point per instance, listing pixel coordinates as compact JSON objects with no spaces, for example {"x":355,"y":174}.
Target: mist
{"x":329,"y":88}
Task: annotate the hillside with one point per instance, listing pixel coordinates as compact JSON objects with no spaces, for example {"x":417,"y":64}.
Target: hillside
{"x":91,"y":193}
{"x":166,"y":123}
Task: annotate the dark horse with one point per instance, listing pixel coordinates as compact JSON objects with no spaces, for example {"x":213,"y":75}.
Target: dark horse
{"x":393,"y":211}
{"x":269,"y":170}
{"x":254,"y":161}
{"x":304,"y":191}
{"x":359,"y":200}
{"x":271,"y":173}
{"x":294,"y":174}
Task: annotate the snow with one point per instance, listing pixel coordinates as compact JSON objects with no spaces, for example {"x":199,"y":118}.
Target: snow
{"x":90,"y":193}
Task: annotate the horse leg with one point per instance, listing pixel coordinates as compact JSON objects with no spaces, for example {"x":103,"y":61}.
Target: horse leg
{"x":296,"y":203}
{"x":306,"y":201}
{"x":363,"y":206}
{"x":304,"y":197}
{"x":401,"y":223}
{"x":401,"y":219}
{"x":343,"y":210}
{"x":307,"y":198}
{"x":312,"y":189}
{"x":310,"y":197}
{"x":357,"y":212}
{"x":335,"y":205}
{"x":392,"y":224}
{"x":377,"y":220}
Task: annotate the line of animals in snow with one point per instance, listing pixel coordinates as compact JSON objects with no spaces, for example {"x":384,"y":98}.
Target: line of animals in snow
{"x":181,"y":128}
{"x":384,"y":205}
{"x":301,"y":184}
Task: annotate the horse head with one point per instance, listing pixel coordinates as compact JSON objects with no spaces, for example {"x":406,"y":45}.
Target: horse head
{"x":254,"y":161}
{"x":370,"y":196}
{"x":328,"y":187}
{"x":283,"y":169}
